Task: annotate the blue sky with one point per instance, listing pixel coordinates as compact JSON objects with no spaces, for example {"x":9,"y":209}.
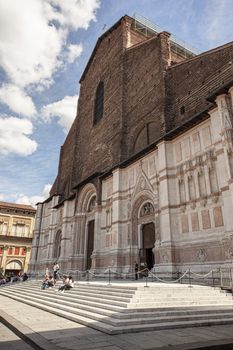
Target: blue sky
{"x":44,"y":47}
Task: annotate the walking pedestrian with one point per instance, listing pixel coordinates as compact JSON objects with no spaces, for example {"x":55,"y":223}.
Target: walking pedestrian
{"x":55,"y":271}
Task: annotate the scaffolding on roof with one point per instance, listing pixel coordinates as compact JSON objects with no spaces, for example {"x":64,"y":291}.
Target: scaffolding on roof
{"x":149,"y":28}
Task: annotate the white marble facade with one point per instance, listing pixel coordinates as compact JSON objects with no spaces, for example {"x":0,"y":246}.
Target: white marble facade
{"x":172,"y":209}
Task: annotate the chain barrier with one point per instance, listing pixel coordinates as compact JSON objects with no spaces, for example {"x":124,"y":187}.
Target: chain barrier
{"x":173,"y":281}
{"x":203,"y":276}
{"x":144,"y":272}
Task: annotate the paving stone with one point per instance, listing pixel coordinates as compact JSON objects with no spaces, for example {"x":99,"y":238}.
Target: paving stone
{"x":10,"y":341}
{"x":66,"y":334}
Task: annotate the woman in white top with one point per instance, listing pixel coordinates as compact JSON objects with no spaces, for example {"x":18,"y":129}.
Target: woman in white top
{"x":68,"y":283}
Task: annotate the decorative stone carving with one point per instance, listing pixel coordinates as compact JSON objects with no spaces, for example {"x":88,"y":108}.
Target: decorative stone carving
{"x":201,"y":255}
{"x":183,"y":208}
{"x":146,"y":209}
{"x":230,"y":253}
{"x":165,"y":258}
{"x":142,"y":183}
{"x":193,"y":205}
{"x":203,"y":201}
{"x":215,"y":198}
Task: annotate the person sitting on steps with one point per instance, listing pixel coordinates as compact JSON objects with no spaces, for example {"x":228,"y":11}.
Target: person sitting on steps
{"x":68,"y":283}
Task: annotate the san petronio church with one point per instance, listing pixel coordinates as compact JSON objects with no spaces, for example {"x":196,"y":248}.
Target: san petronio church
{"x":146,"y":172}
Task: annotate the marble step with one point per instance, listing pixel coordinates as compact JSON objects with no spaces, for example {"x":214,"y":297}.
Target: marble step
{"x":109,"y":298}
{"x":145,"y":301}
{"x":65,"y":299}
{"x":111,"y":326}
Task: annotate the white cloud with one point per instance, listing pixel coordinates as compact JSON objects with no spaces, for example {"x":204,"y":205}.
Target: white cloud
{"x":46,"y":190}
{"x":64,"y":109}
{"x":74,"y":51}
{"x":216,"y":26}
{"x":13,"y":136}
{"x":29,"y":46}
{"x":33,"y":35}
{"x":77,"y":13}
{"x":33,"y":200}
{"x":2,"y":197}
{"x":17,"y":100}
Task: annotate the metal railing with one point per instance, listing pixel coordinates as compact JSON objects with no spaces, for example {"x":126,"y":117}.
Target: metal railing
{"x":146,"y":26}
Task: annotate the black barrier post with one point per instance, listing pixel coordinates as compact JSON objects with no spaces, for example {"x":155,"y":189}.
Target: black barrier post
{"x":213,"y":282}
{"x":147,"y":271}
{"x":109,"y":276}
{"x":189,"y":278}
{"x":231,"y":282}
{"x":178,"y":277}
{"x":87,"y":276}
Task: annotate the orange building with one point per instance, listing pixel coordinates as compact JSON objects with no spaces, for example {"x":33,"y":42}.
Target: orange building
{"x":16,"y":230}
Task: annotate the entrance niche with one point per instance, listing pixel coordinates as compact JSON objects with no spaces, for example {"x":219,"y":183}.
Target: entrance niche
{"x":148,"y":241}
{"x":84,"y":241}
{"x":90,"y":231}
{"x":13,"y":266}
{"x":147,"y":234}
{"x":90,"y":242}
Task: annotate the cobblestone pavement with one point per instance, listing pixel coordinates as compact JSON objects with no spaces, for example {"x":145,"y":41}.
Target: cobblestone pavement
{"x":51,"y":332}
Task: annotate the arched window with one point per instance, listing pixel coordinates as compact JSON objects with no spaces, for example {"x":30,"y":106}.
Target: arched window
{"x":99,"y":102}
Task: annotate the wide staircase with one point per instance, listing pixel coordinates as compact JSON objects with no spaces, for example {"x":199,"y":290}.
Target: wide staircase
{"x":123,"y":308}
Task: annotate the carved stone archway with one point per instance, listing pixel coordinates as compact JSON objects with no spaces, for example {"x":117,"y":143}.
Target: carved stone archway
{"x":144,"y":212}
{"x":85,"y":226}
{"x":14,"y":265}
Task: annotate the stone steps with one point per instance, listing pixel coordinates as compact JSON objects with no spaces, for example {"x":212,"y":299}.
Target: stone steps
{"x":108,"y":302}
{"x":66,"y":300}
{"x":136,"y":308}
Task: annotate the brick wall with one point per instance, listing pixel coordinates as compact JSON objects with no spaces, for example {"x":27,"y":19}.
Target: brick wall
{"x":190,"y":83}
{"x":144,"y":97}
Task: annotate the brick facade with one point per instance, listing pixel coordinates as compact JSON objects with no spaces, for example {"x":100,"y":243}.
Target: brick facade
{"x":156,"y":156}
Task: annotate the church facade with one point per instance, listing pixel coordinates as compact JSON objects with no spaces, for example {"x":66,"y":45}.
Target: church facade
{"x":146,"y":172}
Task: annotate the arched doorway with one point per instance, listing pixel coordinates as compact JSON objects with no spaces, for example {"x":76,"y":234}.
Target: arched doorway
{"x":148,"y":241}
{"x":84,"y":246}
{"x":90,"y":242}
{"x":90,"y":231}
{"x":13,"y":267}
{"x":144,"y":230}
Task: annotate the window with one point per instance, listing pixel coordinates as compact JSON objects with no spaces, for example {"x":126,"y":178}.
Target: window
{"x":99,"y":102}
{"x":9,"y":251}
{"x":3,"y":227}
{"x":18,"y":229}
{"x":182,"y":110}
